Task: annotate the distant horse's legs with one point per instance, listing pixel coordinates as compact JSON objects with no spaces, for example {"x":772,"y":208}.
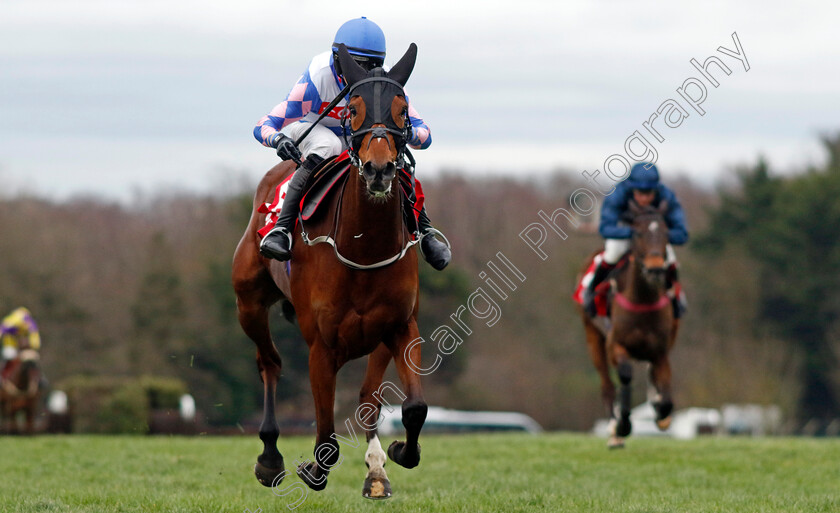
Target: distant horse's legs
{"x":322,"y":374}
{"x":414,"y":409}
{"x":660,"y":376}
{"x":253,"y":317}
{"x":31,"y":402}
{"x":377,"y":485}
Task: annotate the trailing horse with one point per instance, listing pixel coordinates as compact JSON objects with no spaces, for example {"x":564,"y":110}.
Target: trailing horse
{"x":354,"y":297}
{"x":641,"y":324}
{"x":20,"y":392}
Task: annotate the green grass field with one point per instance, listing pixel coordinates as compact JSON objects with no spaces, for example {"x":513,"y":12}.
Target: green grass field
{"x":505,"y":473}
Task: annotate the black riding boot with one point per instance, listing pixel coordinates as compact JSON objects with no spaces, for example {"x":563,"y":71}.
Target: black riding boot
{"x":601,"y":272}
{"x":277,"y":243}
{"x":435,"y":252}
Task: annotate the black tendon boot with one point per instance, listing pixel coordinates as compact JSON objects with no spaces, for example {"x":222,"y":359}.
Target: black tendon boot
{"x":277,"y":243}
{"x":601,"y":273}
{"x":435,"y":252}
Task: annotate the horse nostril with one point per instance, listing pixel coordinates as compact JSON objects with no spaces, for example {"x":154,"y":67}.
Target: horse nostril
{"x":390,"y":170}
{"x":368,"y":171}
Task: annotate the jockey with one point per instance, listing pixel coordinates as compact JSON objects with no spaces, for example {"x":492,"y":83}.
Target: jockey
{"x":644,"y":188}
{"x":19,"y":333}
{"x":315,"y":89}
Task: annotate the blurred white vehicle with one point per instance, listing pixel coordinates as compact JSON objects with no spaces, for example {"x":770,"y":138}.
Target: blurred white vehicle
{"x":442,"y":420}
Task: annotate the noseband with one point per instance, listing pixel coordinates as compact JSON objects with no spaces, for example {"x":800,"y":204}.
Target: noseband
{"x":353,"y":139}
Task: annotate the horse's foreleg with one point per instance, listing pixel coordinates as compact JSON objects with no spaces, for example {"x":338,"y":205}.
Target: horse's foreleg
{"x":624,"y":369}
{"x":377,"y":485}
{"x":407,"y":359}
{"x":322,"y":374}
{"x":660,"y":374}
{"x":270,"y":469}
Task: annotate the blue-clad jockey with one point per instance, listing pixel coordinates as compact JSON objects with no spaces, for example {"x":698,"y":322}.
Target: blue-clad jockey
{"x":642,"y":186}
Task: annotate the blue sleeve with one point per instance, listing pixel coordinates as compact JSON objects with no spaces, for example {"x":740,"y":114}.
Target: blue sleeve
{"x":611,"y":211}
{"x":675,"y":218}
{"x":421,"y":135}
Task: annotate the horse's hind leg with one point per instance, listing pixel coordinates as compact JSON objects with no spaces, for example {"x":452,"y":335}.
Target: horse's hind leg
{"x":596,"y":343}
{"x":377,"y":485}
{"x":660,"y":376}
{"x":322,"y":373}
{"x":406,"y":358}
{"x":253,"y":317}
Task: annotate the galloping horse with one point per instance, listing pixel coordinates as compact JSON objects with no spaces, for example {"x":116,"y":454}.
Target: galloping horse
{"x":344,"y":310}
{"x":642,"y":324}
{"x":20,"y":391}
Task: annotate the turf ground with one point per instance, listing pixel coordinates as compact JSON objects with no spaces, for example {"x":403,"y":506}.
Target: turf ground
{"x":504,"y":473}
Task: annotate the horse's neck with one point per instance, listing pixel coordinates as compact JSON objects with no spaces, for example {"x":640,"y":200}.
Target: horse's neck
{"x":365,"y":221}
{"x":637,"y":289}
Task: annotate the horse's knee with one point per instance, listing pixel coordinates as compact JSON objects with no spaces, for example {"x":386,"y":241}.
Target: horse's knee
{"x":625,"y":372}
{"x":414,"y":414}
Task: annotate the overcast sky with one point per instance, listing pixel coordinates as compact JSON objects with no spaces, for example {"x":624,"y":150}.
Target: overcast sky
{"x":113,"y":97}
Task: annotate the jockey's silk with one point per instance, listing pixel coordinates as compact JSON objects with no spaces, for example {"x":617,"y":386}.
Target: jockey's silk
{"x":16,"y":325}
{"x":312,"y":93}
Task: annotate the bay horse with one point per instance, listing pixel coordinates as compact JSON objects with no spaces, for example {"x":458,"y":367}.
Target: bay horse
{"x":642,"y":325}
{"x":20,"y":392}
{"x":344,"y":311}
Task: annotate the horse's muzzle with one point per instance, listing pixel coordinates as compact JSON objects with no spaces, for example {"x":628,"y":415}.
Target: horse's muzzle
{"x":655,"y":275}
{"x":379,"y":179}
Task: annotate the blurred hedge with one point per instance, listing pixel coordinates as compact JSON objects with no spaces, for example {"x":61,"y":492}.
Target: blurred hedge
{"x":100,"y":404}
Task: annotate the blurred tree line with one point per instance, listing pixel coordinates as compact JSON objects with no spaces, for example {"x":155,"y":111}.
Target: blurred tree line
{"x":789,"y":227}
{"x":142,"y":289}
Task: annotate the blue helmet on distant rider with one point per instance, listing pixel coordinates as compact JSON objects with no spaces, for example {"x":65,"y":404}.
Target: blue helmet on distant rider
{"x":643,"y":176}
{"x":364,"y":40}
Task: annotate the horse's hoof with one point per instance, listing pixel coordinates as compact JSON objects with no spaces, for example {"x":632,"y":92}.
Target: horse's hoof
{"x":312,"y":476}
{"x":397,"y":453}
{"x":615,"y":443}
{"x":624,"y":427}
{"x":376,"y":488}
{"x":270,"y":476}
{"x":664,"y":423}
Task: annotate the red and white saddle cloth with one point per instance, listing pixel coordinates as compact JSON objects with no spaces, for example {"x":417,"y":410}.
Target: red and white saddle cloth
{"x":323,"y":185}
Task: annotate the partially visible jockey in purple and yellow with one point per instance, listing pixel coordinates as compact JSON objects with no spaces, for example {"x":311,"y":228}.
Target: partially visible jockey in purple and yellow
{"x":321,"y":83}
{"x":19,"y":337}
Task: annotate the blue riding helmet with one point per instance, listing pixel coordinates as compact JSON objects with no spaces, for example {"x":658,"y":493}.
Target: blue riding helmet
{"x":644,"y":176}
{"x":364,"y":40}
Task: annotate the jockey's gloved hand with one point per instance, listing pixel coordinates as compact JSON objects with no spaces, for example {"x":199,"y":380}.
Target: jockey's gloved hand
{"x":286,"y":148}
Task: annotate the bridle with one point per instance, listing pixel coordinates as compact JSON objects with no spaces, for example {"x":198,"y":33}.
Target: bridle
{"x":375,"y":116}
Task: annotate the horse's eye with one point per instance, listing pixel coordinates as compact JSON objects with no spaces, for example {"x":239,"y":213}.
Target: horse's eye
{"x":352,"y":111}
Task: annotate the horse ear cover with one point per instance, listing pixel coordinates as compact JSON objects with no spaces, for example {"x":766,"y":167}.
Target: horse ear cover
{"x":349,"y":67}
{"x":402,"y":69}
